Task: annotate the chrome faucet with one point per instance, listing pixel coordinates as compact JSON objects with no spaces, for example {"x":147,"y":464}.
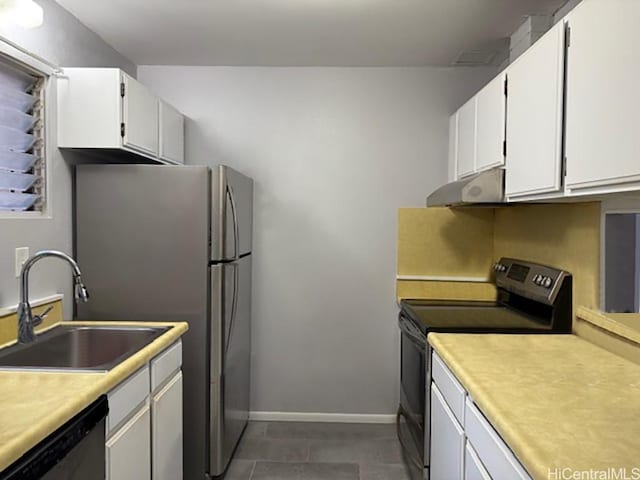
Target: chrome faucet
{"x":26,"y":320}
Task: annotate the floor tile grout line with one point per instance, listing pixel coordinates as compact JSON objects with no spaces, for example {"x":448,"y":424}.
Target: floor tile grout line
{"x":253,"y":469}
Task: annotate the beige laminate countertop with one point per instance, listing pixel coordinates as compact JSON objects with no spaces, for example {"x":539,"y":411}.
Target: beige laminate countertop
{"x":35,"y":404}
{"x":558,"y":401}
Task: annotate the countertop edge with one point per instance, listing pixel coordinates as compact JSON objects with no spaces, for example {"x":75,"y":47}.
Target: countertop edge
{"x":13,"y":450}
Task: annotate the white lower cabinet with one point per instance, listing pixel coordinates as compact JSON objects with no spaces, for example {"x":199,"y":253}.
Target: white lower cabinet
{"x":465,"y":445}
{"x":144,"y":425}
{"x":473,"y":468}
{"x":166,"y":443}
{"x":128,"y":455}
{"x":447,"y":444}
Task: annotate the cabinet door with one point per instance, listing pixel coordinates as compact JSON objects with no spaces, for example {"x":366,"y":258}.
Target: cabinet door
{"x":467,"y":139}
{"x":140,"y":117}
{"x":128,"y":451}
{"x":166,"y":419}
{"x":603,"y":98}
{"x":490,"y":121}
{"x":453,"y":148}
{"x":473,"y":467}
{"x":171,"y":133}
{"x":534,"y":117}
{"x":447,"y":440}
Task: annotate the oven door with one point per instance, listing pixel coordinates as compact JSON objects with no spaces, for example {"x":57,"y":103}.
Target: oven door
{"x":413,"y":375}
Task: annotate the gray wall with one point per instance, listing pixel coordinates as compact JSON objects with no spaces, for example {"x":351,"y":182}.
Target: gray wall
{"x":64,"y":41}
{"x":334,"y":153}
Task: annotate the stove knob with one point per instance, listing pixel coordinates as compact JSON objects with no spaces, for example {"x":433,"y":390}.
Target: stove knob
{"x":496,"y":267}
{"x":547,"y":282}
{"x":536,"y":279}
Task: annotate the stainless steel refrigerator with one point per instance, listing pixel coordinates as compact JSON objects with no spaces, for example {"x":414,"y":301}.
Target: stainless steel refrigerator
{"x":173,"y":243}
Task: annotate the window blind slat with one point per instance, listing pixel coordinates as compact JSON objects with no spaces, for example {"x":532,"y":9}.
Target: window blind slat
{"x":14,"y":181}
{"x":16,"y":99}
{"x":15,"y":79}
{"x":14,"y":118}
{"x":16,"y":161}
{"x":17,"y":201}
{"x":15,"y":140}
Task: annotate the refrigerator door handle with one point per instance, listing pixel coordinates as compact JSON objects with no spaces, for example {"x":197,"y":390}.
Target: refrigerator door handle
{"x":234,"y":307}
{"x":234,"y":213}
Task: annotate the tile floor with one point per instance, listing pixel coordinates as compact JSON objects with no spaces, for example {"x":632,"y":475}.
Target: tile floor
{"x":318,"y":451}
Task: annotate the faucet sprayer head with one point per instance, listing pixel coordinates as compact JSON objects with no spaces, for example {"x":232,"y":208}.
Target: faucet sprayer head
{"x":81,"y":292}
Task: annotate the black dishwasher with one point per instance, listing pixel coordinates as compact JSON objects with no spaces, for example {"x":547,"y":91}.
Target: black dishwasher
{"x":73,"y":452}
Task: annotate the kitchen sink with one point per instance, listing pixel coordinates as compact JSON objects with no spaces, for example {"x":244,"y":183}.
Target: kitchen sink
{"x":70,"y":347}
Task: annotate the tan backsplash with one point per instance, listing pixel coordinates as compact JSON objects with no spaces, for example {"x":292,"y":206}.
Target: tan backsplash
{"x":566,"y":236}
{"x":442,"y":242}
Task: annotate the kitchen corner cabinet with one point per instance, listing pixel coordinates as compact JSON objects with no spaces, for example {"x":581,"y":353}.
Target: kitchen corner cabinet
{"x":603,"y":99}
{"x":534,"y":118}
{"x":144,"y":425}
{"x":464,"y":445}
{"x":104,"y":109}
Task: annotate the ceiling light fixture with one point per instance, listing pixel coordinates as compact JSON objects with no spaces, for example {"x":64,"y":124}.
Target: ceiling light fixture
{"x":24,"y":13}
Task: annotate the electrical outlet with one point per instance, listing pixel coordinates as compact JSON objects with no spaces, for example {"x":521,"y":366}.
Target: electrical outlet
{"x":22,"y":254}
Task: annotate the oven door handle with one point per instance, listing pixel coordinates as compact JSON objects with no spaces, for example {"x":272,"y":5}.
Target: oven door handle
{"x":415,"y":335}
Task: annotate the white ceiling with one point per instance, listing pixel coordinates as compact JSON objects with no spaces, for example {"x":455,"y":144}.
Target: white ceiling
{"x":302,"y":32}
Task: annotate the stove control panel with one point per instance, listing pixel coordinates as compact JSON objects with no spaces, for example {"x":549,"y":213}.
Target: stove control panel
{"x":530,"y":280}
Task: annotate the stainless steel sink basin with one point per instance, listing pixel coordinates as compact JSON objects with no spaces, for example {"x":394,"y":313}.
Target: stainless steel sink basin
{"x":70,"y":347}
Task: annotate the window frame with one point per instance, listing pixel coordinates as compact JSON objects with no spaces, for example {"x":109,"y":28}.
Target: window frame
{"x":31,"y":63}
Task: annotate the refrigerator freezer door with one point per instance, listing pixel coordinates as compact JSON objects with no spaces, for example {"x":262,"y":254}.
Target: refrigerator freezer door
{"x":142,"y":243}
{"x":230,"y":359}
{"x":232,"y":214}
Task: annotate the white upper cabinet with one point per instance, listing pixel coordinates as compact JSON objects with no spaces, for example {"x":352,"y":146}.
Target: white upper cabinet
{"x":603,"y":98}
{"x":140,"y":117}
{"x":171,"y":133}
{"x":453,"y":148}
{"x":534,"y":117}
{"x":104,"y":108}
{"x":466,"y":149}
{"x":476,"y":132}
{"x":490,"y":124}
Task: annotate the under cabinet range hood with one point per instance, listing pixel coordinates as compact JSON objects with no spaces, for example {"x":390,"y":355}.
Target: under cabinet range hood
{"x":479,"y":189}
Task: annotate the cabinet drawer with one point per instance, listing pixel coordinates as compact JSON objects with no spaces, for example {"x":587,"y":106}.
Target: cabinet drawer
{"x":473,"y":467}
{"x":125,"y":398}
{"x":165,"y":365}
{"x":497,"y":458}
{"x":449,"y":386}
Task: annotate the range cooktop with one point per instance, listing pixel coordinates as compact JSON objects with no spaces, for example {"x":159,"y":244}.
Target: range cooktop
{"x":532,"y":298}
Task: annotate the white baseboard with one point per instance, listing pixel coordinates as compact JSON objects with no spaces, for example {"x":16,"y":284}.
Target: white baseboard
{"x":321,"y":417}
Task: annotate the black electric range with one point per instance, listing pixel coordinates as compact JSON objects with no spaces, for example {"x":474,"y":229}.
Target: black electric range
{"x":531,"y":299}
